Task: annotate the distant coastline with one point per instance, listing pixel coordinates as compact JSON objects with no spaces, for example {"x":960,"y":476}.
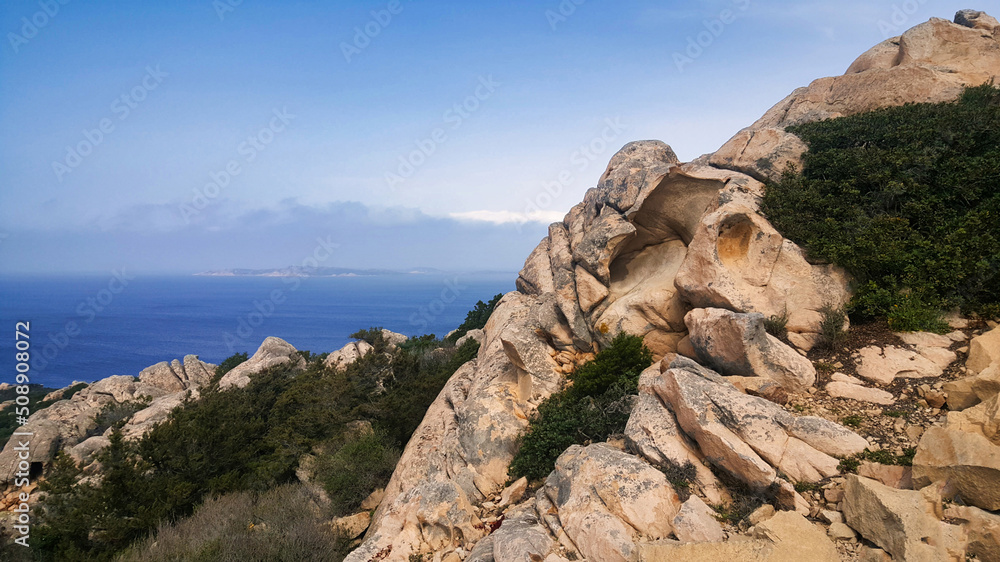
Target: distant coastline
{"x":315,"y":272}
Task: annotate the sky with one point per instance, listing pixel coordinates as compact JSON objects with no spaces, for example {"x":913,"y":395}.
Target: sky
{"x":183,"y":136}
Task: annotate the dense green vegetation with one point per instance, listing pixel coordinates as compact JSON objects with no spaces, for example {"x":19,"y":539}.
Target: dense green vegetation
{"x":596,"y":406}
{"x":351,"y":423}
{"x":36,"y":392}
{"x":906,"y":200}
{"x":476,"y":319}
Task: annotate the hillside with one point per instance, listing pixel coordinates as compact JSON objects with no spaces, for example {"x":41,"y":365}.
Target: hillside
{"x":784,"y":350}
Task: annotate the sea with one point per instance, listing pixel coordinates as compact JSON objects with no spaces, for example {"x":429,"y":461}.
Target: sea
{"x":85,"y":328}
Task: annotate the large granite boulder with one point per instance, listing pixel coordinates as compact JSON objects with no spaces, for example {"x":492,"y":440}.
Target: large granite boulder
{"x":737,"y":344}
{"x":931,"y":62}
{"x":272,"y":353}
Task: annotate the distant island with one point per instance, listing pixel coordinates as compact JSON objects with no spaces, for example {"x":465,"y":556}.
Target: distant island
{"x":297,"y":271}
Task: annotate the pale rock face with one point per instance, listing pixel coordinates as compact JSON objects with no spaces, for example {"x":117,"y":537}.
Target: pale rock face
{"x":695,"y":522}
{"x":340,"y":359}
{"x":984,"y":351}
{"x":652,"y":431}
{"x":976,"y":20}
{"x":905,"y":523}
{"x":352,"y":526}
{"x":931,"y":62}
{"x":860,"y":393}
{"x":521,"y":536}
{"x":750,"y":437}
{"x":86,"y":450}
{"x":477,"y":335}
{"x":786,"y":537}
{"x":882,"y":366}
{"x":738,"y":261}
{"x":737,"y":344}
{"x":470,"y":432}
{"x":983,"y":530}
{"x":606,"y":500}
{"x":272,"y":353}
{"x":176,"y":376}
{"x":983,"y":418}
{"x":969,"y":391}
{"x":969,"y":462}
{"x":66,"y":423}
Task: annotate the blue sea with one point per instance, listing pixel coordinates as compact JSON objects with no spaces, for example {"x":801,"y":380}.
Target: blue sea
{"x":88,"y":328}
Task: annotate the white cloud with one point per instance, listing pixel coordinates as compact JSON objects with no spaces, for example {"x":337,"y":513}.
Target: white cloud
{"x":508,"y":217}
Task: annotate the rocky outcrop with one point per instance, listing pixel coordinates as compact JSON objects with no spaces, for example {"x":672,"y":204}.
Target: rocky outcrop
{"x":785,"y":537}
{"x":984,"y":350}
{"x":272,"y":353}
{"x":931,"y":62}
{"x":340,"y":359}
{"x":69,"y":422}
{"x":737,"y":344}
{"x":606,"y":501}
{"x":969,"y":391}
{"x":906,"y":523}
{"x":749,"y":437}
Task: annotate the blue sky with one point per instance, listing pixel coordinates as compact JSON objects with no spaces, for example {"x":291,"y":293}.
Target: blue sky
{"x":189,"y":135}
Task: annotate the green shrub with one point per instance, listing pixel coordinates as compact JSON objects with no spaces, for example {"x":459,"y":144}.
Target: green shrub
{"x":283,"y":524}
{"x":623,"y":361}
{"x":597,"y":406}
{"x":476,"y":318}
{"x":905,"y":200}
{"x":831,"y":325}
{"x":362,"y":464}
{"x":229,"y":364}
{"x":776,"y":325}
{"x":116,"y":414}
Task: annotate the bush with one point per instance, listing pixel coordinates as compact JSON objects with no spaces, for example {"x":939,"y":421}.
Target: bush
{"x":623,"y":360}
{"x":831,"y":326}
{"x":283,"y":524}
{"x":476,"y":319}
{"x":776,"y":325}
{"x":116,"y":414}
{"x":361,"y":465}
{"x":595,"y":407}
{"x":229,"y":364}
{"x":905,"y":200}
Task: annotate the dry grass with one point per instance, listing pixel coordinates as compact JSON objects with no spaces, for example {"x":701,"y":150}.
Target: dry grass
{"x":283,"y":524}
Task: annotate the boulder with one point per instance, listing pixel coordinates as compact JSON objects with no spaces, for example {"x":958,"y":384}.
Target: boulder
{"x":695,"y":522}
{"x":968,"y":462}
{"x":786,"y":537}
{"x":976,"y":20}
{"x":352,"y":526}
{"x":903,"y":522}
{"x":521,"y":537}
{"x":899,"y":477}
{"x":477,"y":335}
{"x":983,"y":529}
{"x":340,"y":359}
{"x":177,"y":376}
{"x":969,"y":391}
{"x":739,"y":262}
{"x":929,"y":63}
{"x":984,"y":350}
{"x":984,"y":419}
{"x":750,"y":437}
{"x":884,"y":365}
{"x":652,"y":432}
{"x":85,"y":451}
{"x":273,"y":352}
{"x":859,"y":393}
{"x":737,"y":344}
{"x":607,"y":500}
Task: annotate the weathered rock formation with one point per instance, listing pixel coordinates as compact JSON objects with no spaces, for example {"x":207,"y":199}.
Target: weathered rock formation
{"x":654,"y":241}
{"x":272,"y":353}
